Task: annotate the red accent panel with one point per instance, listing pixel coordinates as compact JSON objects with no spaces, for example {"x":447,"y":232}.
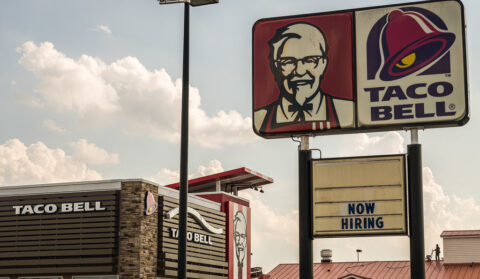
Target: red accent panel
{"x":230,"y":256}
{"x":249,"y":243}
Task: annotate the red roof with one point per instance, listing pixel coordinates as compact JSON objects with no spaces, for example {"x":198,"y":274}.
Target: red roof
{"x":460,"y":233}
{"x":243,"y":176}
{"x":379,"y":270}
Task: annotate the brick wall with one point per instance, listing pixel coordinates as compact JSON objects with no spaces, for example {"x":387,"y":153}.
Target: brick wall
{"x":138,"y":233}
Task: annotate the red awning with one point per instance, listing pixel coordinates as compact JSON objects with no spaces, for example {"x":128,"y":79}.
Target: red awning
{"x":242,"y":178}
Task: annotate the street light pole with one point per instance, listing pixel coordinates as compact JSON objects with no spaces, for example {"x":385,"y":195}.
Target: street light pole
{"x":183,"y":199}
{"x":182,"y":225}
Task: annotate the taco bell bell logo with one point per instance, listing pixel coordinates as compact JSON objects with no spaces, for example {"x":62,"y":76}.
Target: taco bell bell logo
{"x":409,"y":77}
{"x":410,"y":39}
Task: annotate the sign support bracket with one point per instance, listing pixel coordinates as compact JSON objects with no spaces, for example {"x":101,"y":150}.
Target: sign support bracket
{"x":415,"y":193}
{"x":304,"y":209}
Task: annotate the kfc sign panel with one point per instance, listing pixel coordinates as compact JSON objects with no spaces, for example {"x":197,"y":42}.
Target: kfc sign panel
{"x":408,"y":61}
{"x":303,"y":75}
{"x":410,"y":65}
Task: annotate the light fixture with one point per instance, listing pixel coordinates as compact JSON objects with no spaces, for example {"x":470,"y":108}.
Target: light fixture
{"x":261,"y":190}
{"x":192,"y":2}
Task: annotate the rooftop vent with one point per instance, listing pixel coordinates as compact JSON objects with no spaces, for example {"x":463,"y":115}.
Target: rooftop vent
{"x":326,"y":255}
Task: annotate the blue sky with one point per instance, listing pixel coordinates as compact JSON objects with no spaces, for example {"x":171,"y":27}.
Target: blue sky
{"x":90,"y":90}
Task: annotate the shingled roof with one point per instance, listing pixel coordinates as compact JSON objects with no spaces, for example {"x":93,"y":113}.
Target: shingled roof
{"x":378,"y":270}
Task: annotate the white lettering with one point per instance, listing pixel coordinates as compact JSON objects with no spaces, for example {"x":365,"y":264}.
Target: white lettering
{"x":38,"y":209}
{"x":88,"y":208}
{"x":78,"y":207}
{"x":67,"y":207}
{"x":98,"y":206}
{"x":173,"y":233}
{"x":27,"y":209}
{"x":18,"y":209}
{"x":51,"y":208}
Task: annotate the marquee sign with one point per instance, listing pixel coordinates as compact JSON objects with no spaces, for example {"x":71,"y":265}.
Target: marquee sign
{"x":359,"y":196}
{"x":372,"y":69}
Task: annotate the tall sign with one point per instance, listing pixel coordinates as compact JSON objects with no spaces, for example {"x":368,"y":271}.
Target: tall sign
{"x":359,"y":196}
{"x":373,"y":69}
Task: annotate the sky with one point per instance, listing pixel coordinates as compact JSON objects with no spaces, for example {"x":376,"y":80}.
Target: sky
{"x":91,"y":90}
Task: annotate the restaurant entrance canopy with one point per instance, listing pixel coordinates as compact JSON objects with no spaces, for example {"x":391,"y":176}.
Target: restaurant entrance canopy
{"x":228,"y":181}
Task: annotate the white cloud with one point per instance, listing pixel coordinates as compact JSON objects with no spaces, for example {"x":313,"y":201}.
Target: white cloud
{"x":37,"y":163}
{"x":66,"y":84}
{"x":50,"y":124}
{"x":148,"y":102}
{"x":104,"y":28}
{"x":166,"y":176}
{"x":92,"y":154}
{"x":272,"y":233}
{"x":362,"y":144}
{"x":445,"y":212}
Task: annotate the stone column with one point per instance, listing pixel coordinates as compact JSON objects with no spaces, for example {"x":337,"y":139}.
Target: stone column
{"x":138,"y":232}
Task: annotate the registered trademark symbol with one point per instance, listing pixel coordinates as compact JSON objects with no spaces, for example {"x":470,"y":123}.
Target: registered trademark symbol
{"x":451,"y":106}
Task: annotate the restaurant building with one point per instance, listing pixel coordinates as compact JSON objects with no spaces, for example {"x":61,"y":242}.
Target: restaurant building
{"x":126,"y":229}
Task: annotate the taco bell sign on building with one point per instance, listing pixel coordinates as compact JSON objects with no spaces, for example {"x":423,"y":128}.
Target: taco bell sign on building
{"x":410,"y":65}
{"x":372,"y":69}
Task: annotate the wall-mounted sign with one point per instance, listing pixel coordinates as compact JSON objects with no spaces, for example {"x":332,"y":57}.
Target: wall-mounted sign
{"x":150,"y":204}
{"x":51,"y":208}
{"x":193,"y":236}
{"x":196,"y":215}
{"x":206,"y":240}
{"x":241,"y":220}
{"x":408,"y":61}
{"x":359,"y":196}
{"x":62,"y":231}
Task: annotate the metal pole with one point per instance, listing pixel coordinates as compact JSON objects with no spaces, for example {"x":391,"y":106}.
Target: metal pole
{"x":304,"y":210}
{"x":182,"y":224}
{"x":415,"y":193}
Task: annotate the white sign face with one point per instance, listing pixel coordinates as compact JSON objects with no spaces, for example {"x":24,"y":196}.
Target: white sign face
{"x":410,"y":65}
{"x":359,"y":196}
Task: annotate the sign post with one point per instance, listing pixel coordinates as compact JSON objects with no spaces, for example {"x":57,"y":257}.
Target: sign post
{"x":417,"y":235}
{"x":304,"y":210}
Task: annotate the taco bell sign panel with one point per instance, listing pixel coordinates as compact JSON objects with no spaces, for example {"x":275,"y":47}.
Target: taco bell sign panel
{"x":374,"y":69}
{"x":410,"y":66}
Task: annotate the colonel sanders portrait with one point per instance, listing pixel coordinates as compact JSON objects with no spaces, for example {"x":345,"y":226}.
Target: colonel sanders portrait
{"x":298,"y":59}
{"x":240,"y":237}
